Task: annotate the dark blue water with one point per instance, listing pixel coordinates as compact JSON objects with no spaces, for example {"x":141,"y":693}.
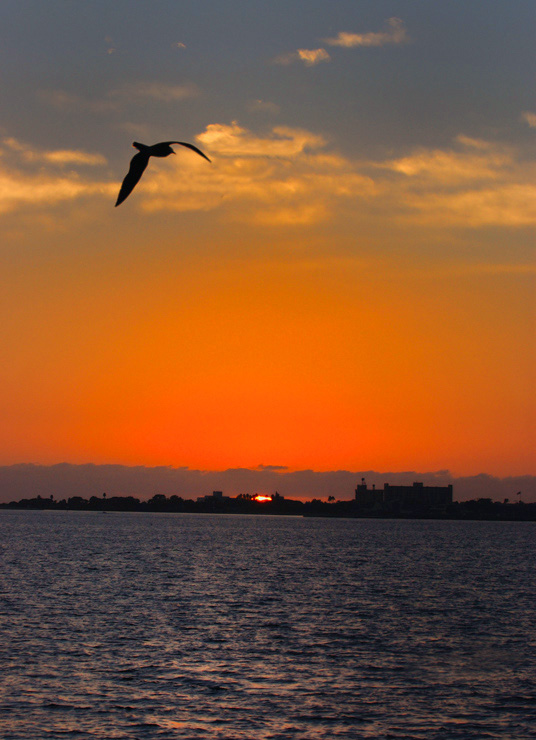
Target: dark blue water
{"x":200,"y":626}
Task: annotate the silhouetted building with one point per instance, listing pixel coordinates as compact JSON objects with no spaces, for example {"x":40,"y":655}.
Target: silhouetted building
{"x":216,"y":496}
{"x":400,"y":498}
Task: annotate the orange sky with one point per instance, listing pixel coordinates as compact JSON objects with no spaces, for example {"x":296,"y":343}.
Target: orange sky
{"x":347,"y":285}
{"x":307,"y":360}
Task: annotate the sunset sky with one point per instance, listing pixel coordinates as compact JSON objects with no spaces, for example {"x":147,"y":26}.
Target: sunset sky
{"x":350,"y":283}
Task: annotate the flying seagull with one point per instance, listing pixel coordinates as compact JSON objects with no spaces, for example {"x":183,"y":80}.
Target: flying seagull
{"x":140,"y":161}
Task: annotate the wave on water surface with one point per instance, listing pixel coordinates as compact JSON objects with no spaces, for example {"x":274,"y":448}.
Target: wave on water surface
{"x":265,"y":628}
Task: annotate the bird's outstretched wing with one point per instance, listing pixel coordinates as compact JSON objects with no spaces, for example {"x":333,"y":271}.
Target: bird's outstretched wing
{"x":138,"y":163}
{"x":189,"y":146}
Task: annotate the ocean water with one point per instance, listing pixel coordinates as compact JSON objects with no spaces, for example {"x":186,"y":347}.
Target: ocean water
{"x":139,"y":626}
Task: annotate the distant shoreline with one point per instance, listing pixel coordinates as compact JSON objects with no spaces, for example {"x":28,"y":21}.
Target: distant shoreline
{"x":474,"y":510}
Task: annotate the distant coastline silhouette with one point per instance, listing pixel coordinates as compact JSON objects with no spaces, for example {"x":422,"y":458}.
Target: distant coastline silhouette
{"x":217,"y":503}
{"x":139,"y":162}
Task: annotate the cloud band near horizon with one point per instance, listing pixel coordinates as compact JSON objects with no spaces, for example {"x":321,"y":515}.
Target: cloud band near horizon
{"x":65,"y":480}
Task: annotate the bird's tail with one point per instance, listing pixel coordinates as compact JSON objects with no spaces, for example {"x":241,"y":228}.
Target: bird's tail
{"x":139,"y":146}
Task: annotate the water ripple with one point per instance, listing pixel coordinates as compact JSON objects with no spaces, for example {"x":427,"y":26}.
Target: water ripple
{"x":265,"y":628}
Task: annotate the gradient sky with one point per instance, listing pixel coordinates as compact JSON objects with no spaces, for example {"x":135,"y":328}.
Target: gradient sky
{"x":348,"y":285}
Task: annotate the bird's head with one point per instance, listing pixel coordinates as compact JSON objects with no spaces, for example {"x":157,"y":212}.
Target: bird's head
{"x":161,"y":150}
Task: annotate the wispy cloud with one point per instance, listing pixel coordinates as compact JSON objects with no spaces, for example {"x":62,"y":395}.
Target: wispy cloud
{"x":36,"y":190}
{"x":283,"y":178}
{"x":508,"y":205}
{"x":139,"y":131}
{"x":474,"y":160}
{"x":394,"y":33}
{"x":476,"y":184}
{"x":54,"y":156}
{"x":309,"y":57}
{"x":529,"y":118}
{"x":290,"y":177}
{"x":118,"y":98}
{"x":68,"y":102}
{"x":155,"y":91}
{"x":234,"y":141}
{"x":110,"y":46}
{"x":22,"y":184}
{"x":263,"y":106}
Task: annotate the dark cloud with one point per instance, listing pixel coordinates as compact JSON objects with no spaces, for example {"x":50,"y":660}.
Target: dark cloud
{"x":65,"y":480}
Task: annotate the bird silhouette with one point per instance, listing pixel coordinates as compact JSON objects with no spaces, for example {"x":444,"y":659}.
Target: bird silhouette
{"x":139,"y":162}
